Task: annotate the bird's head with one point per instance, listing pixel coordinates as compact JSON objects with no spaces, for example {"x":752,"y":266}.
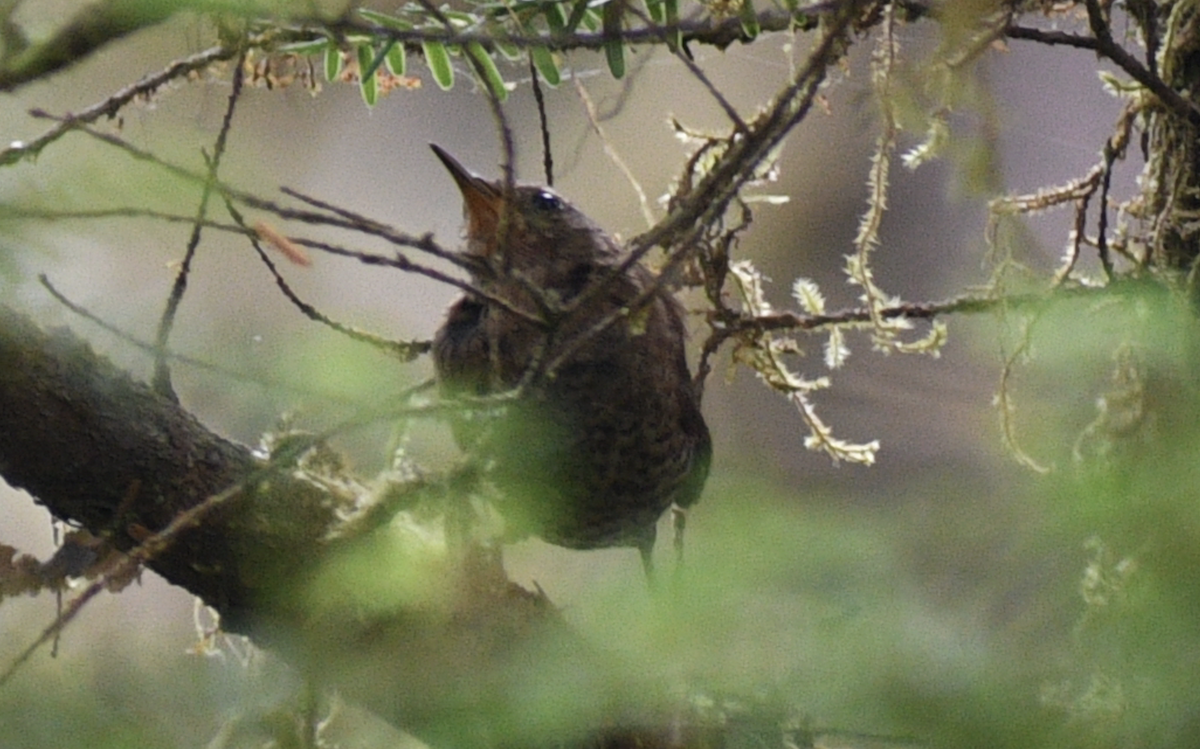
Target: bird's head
{"x":529,"y":229}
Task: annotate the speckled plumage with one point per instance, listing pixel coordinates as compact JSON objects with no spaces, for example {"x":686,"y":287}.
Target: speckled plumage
{"x":597,"y":449}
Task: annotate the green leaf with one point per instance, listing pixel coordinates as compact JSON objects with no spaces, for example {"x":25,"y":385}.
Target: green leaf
{"x":376,"y":60}
{"x":459,"y":19}
{"x":578,"y":11}
{"x":368,"y":84}
{"x":385,"y":20}
{"x":657,"y":11}
{"x":614,"y":47}
{"x":675,"y":37}
{"x":487,"y":70}
{"x":437,"y":57}
{"x":510,"y":51}
{"x":543,"y":60}
{"x":614,"y":52}
{"x":308,"y":48}
{"x":556,"y":19}
{"x":591,"y":19}
{"x":749,"y":20}
{"x":396,"y":60}
{"x":333,"y":63}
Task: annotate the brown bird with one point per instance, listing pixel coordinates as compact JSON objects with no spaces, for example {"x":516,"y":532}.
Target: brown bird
{"x":607,"y":432}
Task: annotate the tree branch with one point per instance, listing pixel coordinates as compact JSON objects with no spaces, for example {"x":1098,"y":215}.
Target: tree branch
{"x":259,"y":541}
{"x":91,"y":28}
{"x":113,"y":104}
{"x":1105,"y":46}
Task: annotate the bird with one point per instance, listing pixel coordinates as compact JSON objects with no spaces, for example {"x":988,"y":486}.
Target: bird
{"x":604,"y":432}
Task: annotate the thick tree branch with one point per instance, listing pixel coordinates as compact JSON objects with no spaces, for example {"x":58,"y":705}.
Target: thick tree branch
{"x":102,"y":451}
{"x":451,"y":664}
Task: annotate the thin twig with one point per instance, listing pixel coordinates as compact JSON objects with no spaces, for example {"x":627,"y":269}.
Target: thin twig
{"x":543,"y":124}
{"x":717,"y":32}
{"x":113,"y":104}
{"x":142,"y":553}
{"x":686,"y":60}
{"x":594,"y":120}
{"x":1110,"y":156}
{"x":404,"y":350}
{"x":1106,"y":47}
{"x":374,"y":227}
{"x":162,"y":371}
{"x":709,"y":199}
{"x":126,"y":212}
{"x":190,"y":361}
{"x":343,"y":219}
{"x":423,"y":243}
{"x":396,"y":261}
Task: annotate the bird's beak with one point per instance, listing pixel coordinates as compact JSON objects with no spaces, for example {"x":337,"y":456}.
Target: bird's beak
{"x":482,"y":200}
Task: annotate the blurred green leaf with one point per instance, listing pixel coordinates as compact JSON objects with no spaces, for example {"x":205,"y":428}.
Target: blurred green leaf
{"x":510,"y":51}
{"x":578,"y":12}
{"x":437,"y":57}
{"x":591,"y":19}
{"x":614,"y":53}
{"x":547,"y":66}
{"x":657,"y":11}
{"x":314,"y":47}
{"x":614,"y":47}
{"x":368,"y":83}
{"x":460,"y":19}
{"x":487,"y":70}
{"x":333,"y":63}
{"x":675,"y":36}
{"x":749,"y":18}
{"x":556,"y":17}
{"x":383,"y":19}
{"x":396,"y":59}
{"x":378,"y":59}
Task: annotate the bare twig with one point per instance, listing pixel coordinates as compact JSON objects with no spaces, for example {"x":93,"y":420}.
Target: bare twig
{"x":142,"y":553}
{"x":370,"y":226}
{"x":685,"y":58}
{"x":162,"y":371}
{"x":543,"y":124}
{"x":613,"y":155}
{"x":113,"y":104}
{"x":710,"y":198}
{"x":190,"y":361}
{"x":42,"y":214}
{"x":1106,"y":47}
{"x":405,"y":350}
{"x":343,"y":219}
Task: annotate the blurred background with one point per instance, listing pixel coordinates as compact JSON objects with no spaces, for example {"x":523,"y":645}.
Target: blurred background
{"x":886,"y":598}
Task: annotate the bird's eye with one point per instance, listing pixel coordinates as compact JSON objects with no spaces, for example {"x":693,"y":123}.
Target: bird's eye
{"x":547,"y":202}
